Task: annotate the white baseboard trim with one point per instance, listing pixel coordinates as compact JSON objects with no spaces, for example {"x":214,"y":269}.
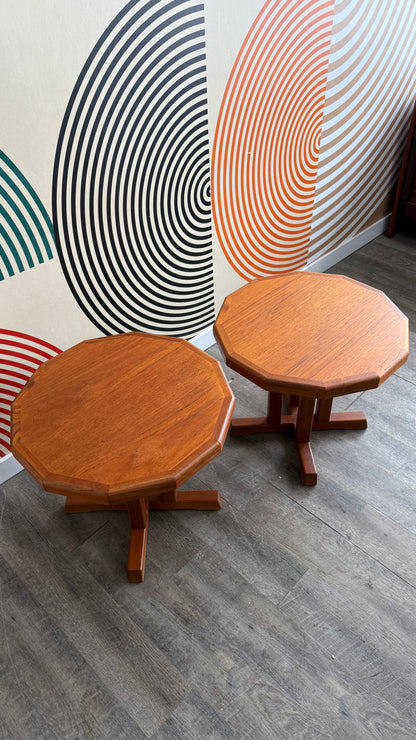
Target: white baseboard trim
{"x":346,"y":248}
{"x":205,"y":339}
{"x":9,"y":466}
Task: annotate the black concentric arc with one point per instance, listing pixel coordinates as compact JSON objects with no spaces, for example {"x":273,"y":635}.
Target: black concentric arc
{"x":131,"y":206}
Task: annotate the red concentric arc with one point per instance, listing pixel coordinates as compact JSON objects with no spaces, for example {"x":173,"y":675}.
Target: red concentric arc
{"x":266,"y":144}
{"x":20,"y":355}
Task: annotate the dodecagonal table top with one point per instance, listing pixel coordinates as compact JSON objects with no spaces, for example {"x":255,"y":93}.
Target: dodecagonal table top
{"x":133,"y":412}
{"x":315,"y":334}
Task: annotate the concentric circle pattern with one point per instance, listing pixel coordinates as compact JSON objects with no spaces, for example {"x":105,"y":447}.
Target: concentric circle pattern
{"x":26,"y":232}
{"x":370,"y":96}
{"x":20,"y":355}
{"x":131,"y":200}
{"x":267,"y":139}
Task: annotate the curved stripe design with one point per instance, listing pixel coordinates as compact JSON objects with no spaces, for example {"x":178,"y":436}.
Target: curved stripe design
{"x":26,"y":231}
{"x":20,"y":356}
{"x":267,"y":139}
{"x":370,"y":96}
{"x":131,"y":196}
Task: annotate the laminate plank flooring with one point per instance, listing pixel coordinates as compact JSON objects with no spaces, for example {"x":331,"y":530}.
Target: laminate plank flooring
{"x":291,"y":613}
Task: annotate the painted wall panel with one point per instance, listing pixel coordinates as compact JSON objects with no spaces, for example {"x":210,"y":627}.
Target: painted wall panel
{"x":117,"y":116}
{"x":20,"y":356}
{"x":131,"y":181}
{"x":26,"y":231}
{"x":370,"y":92}
{"x":266,"y":143}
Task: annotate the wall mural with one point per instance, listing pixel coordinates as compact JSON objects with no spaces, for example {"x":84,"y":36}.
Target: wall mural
{"x":26,"y":231}
{"x":131,"y":191}
{"x":26,"y":241}
{"x":371,"y":75}
{"x":20,"y":356}
{"x":307,"y":146}
{"x":266,"y":144}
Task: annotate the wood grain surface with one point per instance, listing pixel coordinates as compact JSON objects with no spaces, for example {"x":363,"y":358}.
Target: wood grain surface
{"x":121,"y":416}
{"x":312,"y":334}
{"x":289,"y":615}
{"x":120,"y":420}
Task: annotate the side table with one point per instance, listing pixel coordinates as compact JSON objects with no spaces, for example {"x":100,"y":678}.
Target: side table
{"x":310,"y":337}
{"x":120,"y":422}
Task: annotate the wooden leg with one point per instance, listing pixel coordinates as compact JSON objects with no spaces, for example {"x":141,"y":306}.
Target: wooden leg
{"x":273,"y":422}
{"x":79,"y":502}
{"x":291,"y":401}
{"x":274,"y":408}
{"x":302,"y":420}
{"x":139,"y":519}
{"x":308,"y":470}
{"x":199,"y":500}
{"x":324,"y":419}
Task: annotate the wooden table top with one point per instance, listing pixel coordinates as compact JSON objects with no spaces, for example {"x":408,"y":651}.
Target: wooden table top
{"x":314,"y":334}
{"x":131,"y":412}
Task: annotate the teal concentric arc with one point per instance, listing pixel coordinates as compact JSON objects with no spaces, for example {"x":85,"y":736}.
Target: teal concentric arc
{"x":26,"y":231}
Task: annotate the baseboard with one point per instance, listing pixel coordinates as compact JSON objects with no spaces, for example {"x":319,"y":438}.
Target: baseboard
{"x":9,"y":466}
{"x":205,"y":339}
{"x":346,"y":248}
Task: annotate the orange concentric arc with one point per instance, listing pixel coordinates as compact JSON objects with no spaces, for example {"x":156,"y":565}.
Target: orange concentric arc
{"x":266,"y":143}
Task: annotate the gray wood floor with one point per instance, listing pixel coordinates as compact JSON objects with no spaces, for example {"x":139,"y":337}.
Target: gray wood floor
{"x":291,"y":613}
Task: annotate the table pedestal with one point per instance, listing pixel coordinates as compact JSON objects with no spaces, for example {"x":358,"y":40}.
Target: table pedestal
{"x":304,"y":415}
{"x":139,"y":517}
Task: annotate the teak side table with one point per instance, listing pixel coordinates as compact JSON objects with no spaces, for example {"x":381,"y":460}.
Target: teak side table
{"x":309,"y":337}
{"x":120,"y":422}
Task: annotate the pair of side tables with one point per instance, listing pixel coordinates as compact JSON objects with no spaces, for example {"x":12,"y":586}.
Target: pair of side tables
{"x":120,"y":422}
